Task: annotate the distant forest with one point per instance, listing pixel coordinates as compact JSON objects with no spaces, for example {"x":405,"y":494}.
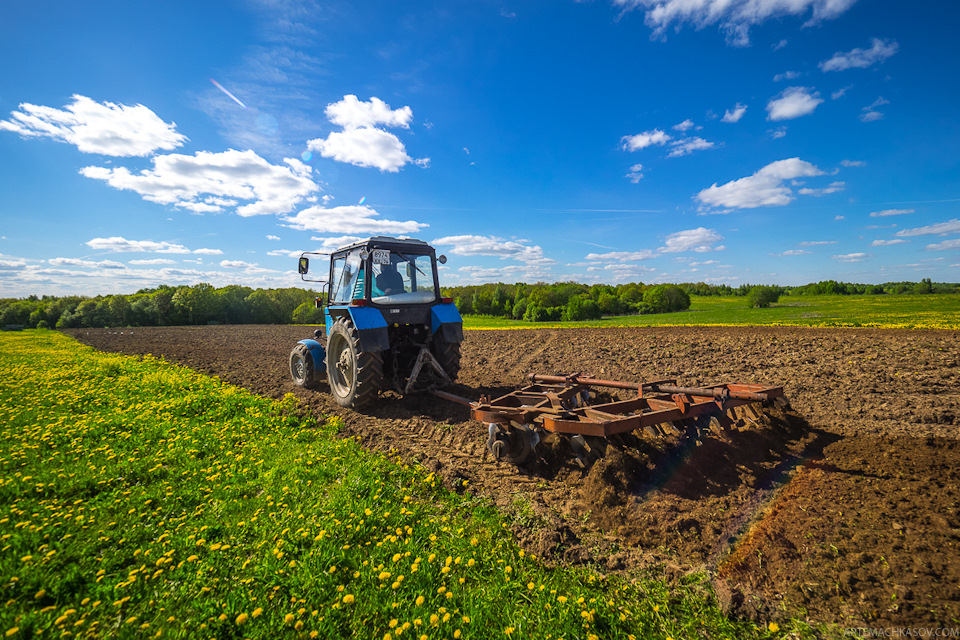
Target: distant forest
{"x":205,"y":304}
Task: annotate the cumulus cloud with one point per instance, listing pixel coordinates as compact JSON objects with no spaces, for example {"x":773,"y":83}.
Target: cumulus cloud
{"x":786,"y":75}
{"x":833,"y":187}
{"x":793,"y":102}
{"x":765,"y":188}
{"x":687,"y":146}
{"x":74,"y":262}
{"x":887,"y":243}
{"x":734,"y":115}
{"x":944,"y":246}
{"x":636,"y":173}
{"x":352,"y":113}
{"x":213,"y":182}
{"x":117,"y":244}
{"x":852,"y":257}
{"x":93,"y":127}
{"x":152,"y":261}
{"x":361,"y":142}
{"x":332,"y":244}
{"x":792,"y":252}
{"x":816,"y":243}
{"x":349,"y":219}
{"x":940,"y":228}
{"x":640,"y":141}
{"x":879,"y":51}
{"x":683,"y":126}
{"x":700,"y":240}
{"x":735,"y":17}
{"x":471,"y":245}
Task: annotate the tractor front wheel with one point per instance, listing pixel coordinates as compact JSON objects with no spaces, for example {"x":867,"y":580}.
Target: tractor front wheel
{"x":355,"y":376}
{"x":302,"y":367}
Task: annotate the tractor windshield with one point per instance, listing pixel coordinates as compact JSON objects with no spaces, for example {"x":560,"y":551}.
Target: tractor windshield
{"x":401,"y":278}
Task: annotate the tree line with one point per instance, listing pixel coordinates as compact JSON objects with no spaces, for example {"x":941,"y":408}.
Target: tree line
{"x":165,"y":305}
{"x":541,"y":302}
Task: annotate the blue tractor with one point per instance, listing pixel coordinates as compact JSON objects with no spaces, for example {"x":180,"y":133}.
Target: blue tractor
{"x":387,"y":328}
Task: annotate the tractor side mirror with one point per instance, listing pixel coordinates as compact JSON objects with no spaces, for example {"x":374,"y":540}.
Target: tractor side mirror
{"x":304,"y":266}
{"x":442,"y":259}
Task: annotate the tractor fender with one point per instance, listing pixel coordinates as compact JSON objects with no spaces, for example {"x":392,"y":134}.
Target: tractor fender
{"x":319,"y":355}
{"x":369,"y":323}
{"x":445,"y":321}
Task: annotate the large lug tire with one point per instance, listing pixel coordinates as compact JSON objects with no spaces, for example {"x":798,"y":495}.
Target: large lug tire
{"x":355,"y":376}
{"x":302,"y":367}
{"x":448,"y":355}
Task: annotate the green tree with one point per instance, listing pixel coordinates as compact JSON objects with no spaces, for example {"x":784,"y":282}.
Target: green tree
{"x":666,"y":298}
{"x":762,"y":297}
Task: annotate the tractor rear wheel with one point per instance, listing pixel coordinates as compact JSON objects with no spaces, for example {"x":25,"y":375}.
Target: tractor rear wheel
{"x":448,"y":355}
{"x":355,"y":376}
{"x":302,"y":367}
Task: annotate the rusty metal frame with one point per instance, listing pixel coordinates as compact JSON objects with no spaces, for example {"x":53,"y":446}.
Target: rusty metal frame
{"x":559,"y":404}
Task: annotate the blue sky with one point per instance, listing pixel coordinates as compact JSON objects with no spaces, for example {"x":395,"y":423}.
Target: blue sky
{"x":725,"y":141}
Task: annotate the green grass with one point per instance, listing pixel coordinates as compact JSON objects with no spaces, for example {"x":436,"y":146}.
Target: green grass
{"x":941,"y":311}
{"x":140,"y":499}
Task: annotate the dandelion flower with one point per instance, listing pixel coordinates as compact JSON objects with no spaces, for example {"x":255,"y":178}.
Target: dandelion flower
{"x":348,"y":599}
{"x":257,"y":612}
{"x":773,"y":627}
{"x":242,"y":619}
{"x":287,"y":619}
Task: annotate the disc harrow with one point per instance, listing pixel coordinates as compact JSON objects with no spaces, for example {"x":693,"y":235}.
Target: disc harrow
{"x":582,"y":407}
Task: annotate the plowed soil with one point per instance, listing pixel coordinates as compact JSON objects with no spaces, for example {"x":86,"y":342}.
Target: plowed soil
{"x":844,"y":507}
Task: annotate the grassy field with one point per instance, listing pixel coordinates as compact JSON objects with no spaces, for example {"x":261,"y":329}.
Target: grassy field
{"x":892,"y":311}
{"x":140,"y":499}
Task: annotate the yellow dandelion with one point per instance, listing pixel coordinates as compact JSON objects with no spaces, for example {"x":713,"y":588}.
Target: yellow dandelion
{"x":242,"y":619}
{"x":508,"y":631}
{"x":287,"y":619}
{"x":299,"y":625}
{"x":257,"y":612}
{"x":12,"y":631}
{"x":773,"y":627}
{"x":348,"y":599}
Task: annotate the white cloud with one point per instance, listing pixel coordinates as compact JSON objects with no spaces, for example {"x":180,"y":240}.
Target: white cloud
{"x":833,"y":187}
{"x":887,"y":243}
{"x":792,"y":252}
{"x":12,"y":265}
{"x":621,"y":256}
{"x":786,"y":75}
{"x":793,"y":102}
{"x":890,"y":212}
{"x":778,"y":133}
{"x":105,"y":128}
{"x":734,"y":115}
{"x":153,"y":261}
{"x":861,"y":58}
{"x":762,"y":189}
{"x":284,"y":253}
{"x":74,"y":262}
{"x":272,"y":237}
{"x":687,"y":146}
{"x":117,"y":244}
{"x":362,"y":143}
{"x":332,"y":244}
{"x":352,"y":113}
{"x":816,"y":243}
{"x":941,"y":228}
{"x":839,"y":93}
{"x":735,"y":17}
{"x":853,"y":163}
{"x":642,"y":140}
{"x":210,"y":181}
{"x":852,"y":257}
{"x":683,"y":126}
{"x":363,"y":147}
{"x":246,"y":267}
{"x":636,"y":173}
{"x":944,"y":246}
{"x":469,"y":245}
{"x":870,"y":113}
{"x":349,"y":219}
{"x":700,"y":240}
